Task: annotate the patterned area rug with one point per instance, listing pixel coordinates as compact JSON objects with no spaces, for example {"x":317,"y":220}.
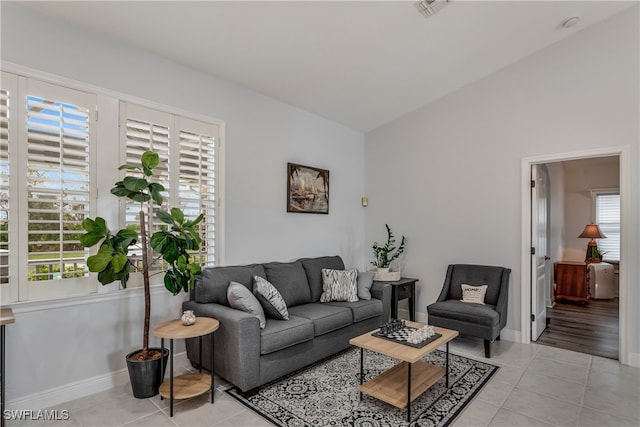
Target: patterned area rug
{"x":324,"y":394}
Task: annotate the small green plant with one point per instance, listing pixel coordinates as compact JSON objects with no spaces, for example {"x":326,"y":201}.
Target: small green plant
{"x":597,"y":253}
{"x":172,"y":243}
{"x":387,"y":253}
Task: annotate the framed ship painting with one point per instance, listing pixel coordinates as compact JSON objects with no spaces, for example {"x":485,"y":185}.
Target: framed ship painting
{"x":307,"y":189}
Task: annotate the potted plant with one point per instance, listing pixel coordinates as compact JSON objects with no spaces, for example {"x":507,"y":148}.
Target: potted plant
{"x":384,"y":255}
{"x":168,"y":247}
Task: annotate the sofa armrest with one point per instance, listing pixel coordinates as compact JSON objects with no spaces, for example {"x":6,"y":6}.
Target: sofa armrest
{"x":237,"y":342}
{"x":382,"y":291}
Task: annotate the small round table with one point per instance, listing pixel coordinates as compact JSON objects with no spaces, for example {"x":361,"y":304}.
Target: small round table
{"x":188,"y":385}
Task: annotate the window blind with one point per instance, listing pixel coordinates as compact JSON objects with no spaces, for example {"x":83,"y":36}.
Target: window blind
{"x":197,"y":188}
{"x":608,"y":218}
{"x":58,"y":193}
{"x":187,"y":170}
{"x":4,"y":186}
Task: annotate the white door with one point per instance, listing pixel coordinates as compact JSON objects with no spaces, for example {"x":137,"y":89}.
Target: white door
{"x":540,"y":275}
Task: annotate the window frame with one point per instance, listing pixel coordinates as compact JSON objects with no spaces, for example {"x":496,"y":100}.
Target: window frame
{"x":107,"y":128}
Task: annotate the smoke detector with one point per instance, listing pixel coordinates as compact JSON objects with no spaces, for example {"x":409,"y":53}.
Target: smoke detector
{"x":429,"y":7}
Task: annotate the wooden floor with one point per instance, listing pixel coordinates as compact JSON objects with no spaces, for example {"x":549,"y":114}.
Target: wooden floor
{"x":590,"y":328}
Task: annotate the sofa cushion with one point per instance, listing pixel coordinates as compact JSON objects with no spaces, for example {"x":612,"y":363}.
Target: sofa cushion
{"x":364,"y":283}
{"x":290,"y":280}
{"x":361,"y":309}
{"x":270,"y":299}
{"x":241,"y":298}
{"x":313,"y":268}
{"x":211,"y":285}
{"x":339,"y":285}
{"x":463,"y":312}
{"x":279,"y":334}
{"x":325,"y":318}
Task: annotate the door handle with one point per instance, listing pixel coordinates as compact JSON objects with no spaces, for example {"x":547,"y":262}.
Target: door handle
{"x":546,"y":258}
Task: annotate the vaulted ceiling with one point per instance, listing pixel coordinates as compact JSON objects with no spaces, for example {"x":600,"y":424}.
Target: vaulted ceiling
{"x":359,"y":63}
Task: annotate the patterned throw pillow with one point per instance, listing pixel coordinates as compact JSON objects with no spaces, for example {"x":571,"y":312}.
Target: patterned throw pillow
{"x":241,"y":298}
{"x":339,"y":285}
{"x":473,"y":294}
{"x":270,"y":299}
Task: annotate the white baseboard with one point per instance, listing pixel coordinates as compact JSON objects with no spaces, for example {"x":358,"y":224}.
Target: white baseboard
{"x":65,"y":393}
{"x":634,"y":360}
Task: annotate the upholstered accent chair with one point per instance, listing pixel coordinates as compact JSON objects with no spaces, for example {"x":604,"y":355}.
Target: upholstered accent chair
{"x":482,"y":320}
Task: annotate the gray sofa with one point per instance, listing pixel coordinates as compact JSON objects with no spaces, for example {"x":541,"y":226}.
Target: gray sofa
{"x":248,"y":356}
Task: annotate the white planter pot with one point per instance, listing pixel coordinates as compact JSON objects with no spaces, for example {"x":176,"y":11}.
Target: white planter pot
{"x":386,"y":274}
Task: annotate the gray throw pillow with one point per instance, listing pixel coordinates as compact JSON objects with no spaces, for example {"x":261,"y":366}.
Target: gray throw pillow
{"x":270,"y":299}
{"x":241,"y":298}
{"x":365,"y":281}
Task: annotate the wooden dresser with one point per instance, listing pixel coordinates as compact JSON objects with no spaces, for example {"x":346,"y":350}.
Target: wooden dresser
{"x":572,"y":281}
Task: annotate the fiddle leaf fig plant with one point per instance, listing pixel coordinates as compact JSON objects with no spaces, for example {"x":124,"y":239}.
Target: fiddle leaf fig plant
{"x":389,"y":252}
{"x":167,"y":248}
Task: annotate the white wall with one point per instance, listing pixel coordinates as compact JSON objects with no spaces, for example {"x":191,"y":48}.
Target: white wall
{"x":448,"y":175}
{"x":53,"y":347}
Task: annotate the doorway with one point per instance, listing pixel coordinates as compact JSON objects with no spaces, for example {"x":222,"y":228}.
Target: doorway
{"x":565,"y":319}
{"x":588,"y":325}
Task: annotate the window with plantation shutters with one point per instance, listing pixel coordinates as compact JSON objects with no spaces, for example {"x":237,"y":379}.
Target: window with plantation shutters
{"x":58,"y":194}
{"x":5,"y":100}
{"x":607,"y":216}
{"x":187,"y":150}
{"x":144,"y":129}
{"x":57,"y":167}
{"x":197,"y":181}
{"x":47,"y":135}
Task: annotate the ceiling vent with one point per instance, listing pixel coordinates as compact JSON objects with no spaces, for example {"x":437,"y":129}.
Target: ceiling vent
{"x":429,"y":7}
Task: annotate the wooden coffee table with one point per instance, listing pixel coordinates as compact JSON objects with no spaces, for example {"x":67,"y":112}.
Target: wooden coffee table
{"x":403,"y":383}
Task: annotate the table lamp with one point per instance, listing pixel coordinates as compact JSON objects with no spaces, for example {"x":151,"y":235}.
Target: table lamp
{"x":591,"y":231}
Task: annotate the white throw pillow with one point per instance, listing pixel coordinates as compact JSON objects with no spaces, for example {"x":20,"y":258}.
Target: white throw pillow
{"x":339,"y":285}
{"x":474,"y":294}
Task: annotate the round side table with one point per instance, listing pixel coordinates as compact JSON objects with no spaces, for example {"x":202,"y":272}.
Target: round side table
{"x":188,"y":385}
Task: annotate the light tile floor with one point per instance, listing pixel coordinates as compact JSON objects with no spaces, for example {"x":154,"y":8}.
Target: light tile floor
{"x":535,"y":386}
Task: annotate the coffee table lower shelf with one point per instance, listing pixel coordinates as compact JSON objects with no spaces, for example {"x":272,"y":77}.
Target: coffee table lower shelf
{"x":186,"y":386}
{"x":391,"y":385}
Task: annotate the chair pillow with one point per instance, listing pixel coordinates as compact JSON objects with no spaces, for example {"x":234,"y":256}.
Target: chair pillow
{"x":364,"y":283}
{"x":339,"y":285}
{"x":241,"y":298}
{"x":473,"y":294}
{"x":270,"y":299}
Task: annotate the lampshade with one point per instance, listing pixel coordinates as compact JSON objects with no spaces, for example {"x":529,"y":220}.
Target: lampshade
{"x":592,"y":231}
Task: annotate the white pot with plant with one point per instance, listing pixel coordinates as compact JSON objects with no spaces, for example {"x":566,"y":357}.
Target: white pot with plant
{"x":384,"y":255}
